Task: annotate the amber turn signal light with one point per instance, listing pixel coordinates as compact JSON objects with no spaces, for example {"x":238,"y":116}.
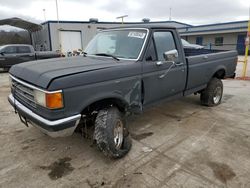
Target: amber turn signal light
{"x":54,"y":100}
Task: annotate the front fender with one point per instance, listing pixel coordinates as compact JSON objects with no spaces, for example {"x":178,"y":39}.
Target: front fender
{"x":126,"y":90}
{"x":105,"y":96}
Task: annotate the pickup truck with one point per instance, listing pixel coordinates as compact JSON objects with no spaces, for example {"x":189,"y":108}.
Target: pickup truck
{"x":12,"y":54}
{"x":122,"y":72}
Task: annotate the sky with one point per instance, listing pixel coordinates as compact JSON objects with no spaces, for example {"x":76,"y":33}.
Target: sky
{"x":194,"y":12}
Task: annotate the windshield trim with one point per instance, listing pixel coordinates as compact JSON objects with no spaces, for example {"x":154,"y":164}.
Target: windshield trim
{"x":127,"y":28}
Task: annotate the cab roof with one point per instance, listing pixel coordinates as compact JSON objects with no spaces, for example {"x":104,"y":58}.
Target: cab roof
{"x":146,"y":26}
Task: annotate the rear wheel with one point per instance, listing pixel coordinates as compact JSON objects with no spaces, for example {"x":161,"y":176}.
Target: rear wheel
{"x":212,"y":95}
{"x":111,"y":133}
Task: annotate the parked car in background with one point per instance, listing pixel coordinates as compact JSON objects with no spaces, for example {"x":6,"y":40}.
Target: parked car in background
{"x":188,"y":45}
{"x":12,"y":54}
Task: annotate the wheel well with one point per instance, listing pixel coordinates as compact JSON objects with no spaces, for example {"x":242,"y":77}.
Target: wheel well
{"x":104,"y":103}
{"x":220,"y":74}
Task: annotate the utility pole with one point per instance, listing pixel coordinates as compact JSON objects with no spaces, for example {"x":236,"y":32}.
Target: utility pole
{"x":44,"y":14}
{"x":246,"y":49}
{"x":122,"y":17}
{"x":170,"y":14}
{"x":59,"y":37}
{"x":57,"y":13}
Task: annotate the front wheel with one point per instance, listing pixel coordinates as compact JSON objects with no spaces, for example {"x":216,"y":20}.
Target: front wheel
{"x":111,"y":133}
{"x":212,"y":95}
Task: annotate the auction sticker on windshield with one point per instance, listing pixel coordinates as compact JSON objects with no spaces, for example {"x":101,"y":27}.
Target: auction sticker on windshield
{"x":136,"y":34}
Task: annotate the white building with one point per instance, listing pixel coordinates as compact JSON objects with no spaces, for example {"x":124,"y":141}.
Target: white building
{"x":73,"y":35}
{"x":225,"y":36}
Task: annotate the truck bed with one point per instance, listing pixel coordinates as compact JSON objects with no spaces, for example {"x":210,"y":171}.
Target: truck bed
{"x":203,"y":63}
{"x":192,"y":52}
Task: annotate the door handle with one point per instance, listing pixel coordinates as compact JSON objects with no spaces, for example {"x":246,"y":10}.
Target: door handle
{"x":205,"y":57}
{"x":159,"y":63}
{"x":179,"y":64}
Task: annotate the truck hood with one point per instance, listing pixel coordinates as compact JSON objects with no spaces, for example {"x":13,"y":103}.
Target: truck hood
{"x":41,"y":73}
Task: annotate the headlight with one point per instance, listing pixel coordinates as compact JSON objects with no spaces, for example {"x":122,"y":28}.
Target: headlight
{"x":49,"y":100}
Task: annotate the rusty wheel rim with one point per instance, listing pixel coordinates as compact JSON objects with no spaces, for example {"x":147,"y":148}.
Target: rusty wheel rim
{"x":118,"y":134}
{"x":217,"y":95}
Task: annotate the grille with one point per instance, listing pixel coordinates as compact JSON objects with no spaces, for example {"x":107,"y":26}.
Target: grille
{"x":23,"y":93}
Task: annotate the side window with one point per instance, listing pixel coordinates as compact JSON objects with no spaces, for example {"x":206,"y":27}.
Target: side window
{"x":24,"y":49}
{"x":218,"y":41}
{"x":10,"y":50}
{"x":199,"y":40}
{"x":150,"y":54}
{"x":164,"y":41}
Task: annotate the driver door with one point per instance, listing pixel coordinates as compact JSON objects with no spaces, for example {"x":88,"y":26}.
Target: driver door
{"x":162,"y":78}
{"x":9,"y":56}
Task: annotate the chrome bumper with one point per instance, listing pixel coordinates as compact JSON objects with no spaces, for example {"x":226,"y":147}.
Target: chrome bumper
{"x":57,"y":128}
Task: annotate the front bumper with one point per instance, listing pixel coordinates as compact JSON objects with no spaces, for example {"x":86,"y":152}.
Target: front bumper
{"x":57,"y":128}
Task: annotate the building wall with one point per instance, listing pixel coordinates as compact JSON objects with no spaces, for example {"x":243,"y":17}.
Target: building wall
{"x":220,"y":27}
{"x":229,"y":32}
{"x":88,"y":30}
{"x":39,"y":38}
{"x":229,"y":40}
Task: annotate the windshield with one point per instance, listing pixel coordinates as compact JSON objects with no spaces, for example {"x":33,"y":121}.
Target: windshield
{"x":125,"y":43}
{"x":184,"y":42}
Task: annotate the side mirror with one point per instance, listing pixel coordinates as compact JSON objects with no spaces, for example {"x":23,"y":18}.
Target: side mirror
{"x":2,"y":53}
{"x":171,"y":55}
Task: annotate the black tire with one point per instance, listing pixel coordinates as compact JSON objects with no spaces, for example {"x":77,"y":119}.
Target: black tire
{"x":106,"y":122}
{"x":212,"y":95}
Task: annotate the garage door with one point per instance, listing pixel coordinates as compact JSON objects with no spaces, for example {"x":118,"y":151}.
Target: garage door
{"x":70,"y":40}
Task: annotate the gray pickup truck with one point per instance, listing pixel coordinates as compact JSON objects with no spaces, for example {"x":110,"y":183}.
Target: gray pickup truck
{"x":122,"y":72}
{"x":12,"y":54}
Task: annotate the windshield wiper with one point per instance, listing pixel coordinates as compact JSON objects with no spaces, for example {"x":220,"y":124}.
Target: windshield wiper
{"x":108,"y":55}
{"x":84,"y":54}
